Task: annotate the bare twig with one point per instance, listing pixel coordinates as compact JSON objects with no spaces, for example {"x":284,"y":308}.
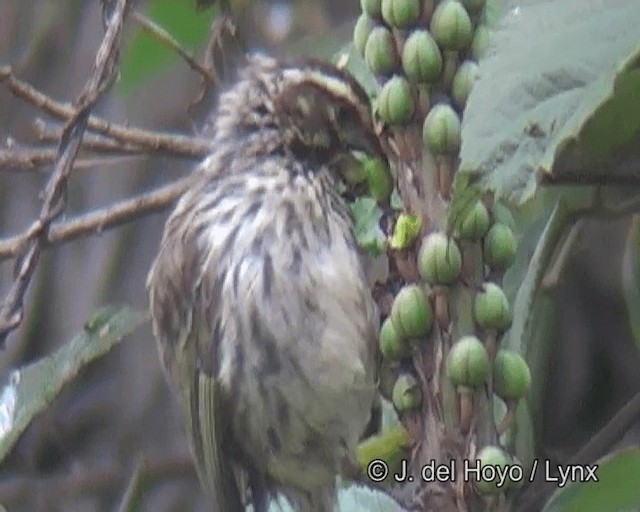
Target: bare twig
{"x":26,"y":159}
{"x":91,"y":142}
{"x":102,"y":219}
{"x":164,"y":37}
{"x":149,"y":140}
{"x":12,"y":310}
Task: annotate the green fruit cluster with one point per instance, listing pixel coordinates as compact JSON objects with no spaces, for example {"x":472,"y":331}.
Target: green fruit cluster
{"x":413,"y":47}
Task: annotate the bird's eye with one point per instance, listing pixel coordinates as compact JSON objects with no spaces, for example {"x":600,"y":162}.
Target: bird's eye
{"x":343,"y":116}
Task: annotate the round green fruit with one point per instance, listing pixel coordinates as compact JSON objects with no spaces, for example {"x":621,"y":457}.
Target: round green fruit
{"x":421,"y":57}
{"x":406,"y":393}
{"x":400,"y":13}
{"x":468,"y":363}
{"x":441,"y":130}
{"x":439,"y":259}
{"x":499,"y":247}
{"x":380,"y":51}
{"x":451,"y":26}
{"x":511,"y":376}
{"x":363,"y":28}
{"x":463,"y":82}
{"x":395,"y":102}
{"x":392,"y":346}
{"x":497,"y":460}
{"x":491,"y":308}
{"x":411,"y":313}
{"x":476,"y":223}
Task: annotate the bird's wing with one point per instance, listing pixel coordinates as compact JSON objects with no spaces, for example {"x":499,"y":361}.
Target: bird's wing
{"x":182,"y":327}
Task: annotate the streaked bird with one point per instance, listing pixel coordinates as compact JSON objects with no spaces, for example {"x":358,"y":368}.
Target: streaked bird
{"x":263,"y":316}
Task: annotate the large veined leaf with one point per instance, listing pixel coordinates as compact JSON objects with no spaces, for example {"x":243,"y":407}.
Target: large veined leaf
{"x":355,"y":498}
{"x":31,"y":389}
{"x":557,"y":97}
{"x":616,"y":489}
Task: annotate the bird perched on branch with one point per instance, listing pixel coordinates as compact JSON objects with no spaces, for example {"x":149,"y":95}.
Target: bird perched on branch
{"x":264,"y":319}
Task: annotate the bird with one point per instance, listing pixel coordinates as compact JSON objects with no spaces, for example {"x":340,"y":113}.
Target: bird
{"x":260,"y":304}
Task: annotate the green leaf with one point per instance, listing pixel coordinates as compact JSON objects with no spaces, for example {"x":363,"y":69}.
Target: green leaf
{"x":33,"y":387}
{"x":631,"y":278}
{"x":366,"y":216}
{"x":143,"y":56}
{"x":557,"y":90}
{"x":390,"y":446}
{"x":405,"y":231}
{"x":617,"y":487}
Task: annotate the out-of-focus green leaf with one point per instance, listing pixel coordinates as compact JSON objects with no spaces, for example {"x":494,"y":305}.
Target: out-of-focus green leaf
{"x":32,"y":388}
{"x":557,"y":93}
{"x":631,"y":278}
{"x":143,"y":56}
{"x":366,"y":216}
{"x":617,"y":487}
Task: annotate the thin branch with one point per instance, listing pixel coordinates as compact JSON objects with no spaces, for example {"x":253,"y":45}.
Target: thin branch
{"x":165,"y":38}
{"x":91,"y":142}
{"x":180,"y":145}
{"x":12,"y":310}
{"x":100,"y":220}
{"x":26,"y":159}
{"x":29,"y":160}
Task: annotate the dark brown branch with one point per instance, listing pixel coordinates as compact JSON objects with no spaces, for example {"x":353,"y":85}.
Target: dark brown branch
{"x":12,"y":310}
{"x":102,"y":219}
{"x":149,"y":140}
